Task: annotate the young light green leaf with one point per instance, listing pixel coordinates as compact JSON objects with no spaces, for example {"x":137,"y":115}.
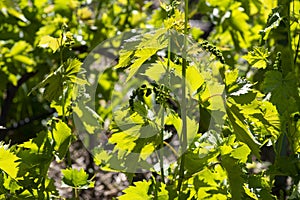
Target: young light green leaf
{"x":62,"y":138}
{"x":192,"y":126}
{"x":156,"y":70}
{"x":241,"y":153}
{"x":20,"y":47}
{"x":72,"y":69}
{"x":11,"y":184}
{"x":241,"y":131}
{"x":76,"y":178}
{"x":231,"y":76}
{"x":51,"y":42}
{"x":194,"y":78}
{"x":250,"y":194}
{"x":239,"y":18}
{"x":137,"y":192}
{"x":258,"y":58}
{"x":125,"y":58}
{"x":24,"y":59}
{"x":163,"y":193}
{"x":12,"y":11}
{"x":8,"y":162}
{"x":141,"y":56}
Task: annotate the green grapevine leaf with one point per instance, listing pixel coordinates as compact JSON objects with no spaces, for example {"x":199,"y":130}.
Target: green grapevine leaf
{"x":124,"y":140}
{"x":272,"y":23}
{"x":9,"y":162}
{"x":19,"y":48}
{"x":263,"y":115}
{"x":263,"y":184}
{"x":24,"y":59}
{"x":91,"y":121}
{"x":249,"y":193}
{"x":241,"y":153}
{"x":137,"y":192}
{"x":192,"y":126}
{"x":11,"y":184}
{"x":258,"y":58}
{"x":125,"y":57}
{"x":155,"y":39}
{"x":53,"y":85}
{"x":141,"y":56}
{"x":231,"y":76}
{"x":61,"y":135}
{"x":241,"y":131}
{"x":209,"y":182}
{"x":194,"y":78}
{"x":76,"y":178}
{"x":273,"y":80}
{"x":72,"y":68}
{"x":147,"y":46}
{"x":36,"y":144}
{"x":17,"y":14}
{"x":163,"y":193}
{"x":234,"y":174}
{"x":238,"y":18}
{"x":281,"y":88}
{"x":51,"y":42}
{"x":156,"y":70}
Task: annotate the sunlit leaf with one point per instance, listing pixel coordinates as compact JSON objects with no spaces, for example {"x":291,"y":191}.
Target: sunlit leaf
{"x":72,"y":68}
{"x":163,"y":192}
{"x":241,"y":153}
{"x":193,"y":77}
{"x":61,"y":135}
{"x":20,"y":47}
{"x":17,"y":14}
{"x":231,"y":76}
{"x":250,"y":193}
{"x":51,"y":42}
{"x":241,"y":131}
{"x":137,"y":192}
{"x":8,"y":162}
{"x":76,"y":178}
{"x":239,"y":18}
{"x":24,"y":59}
{"x":258,"y":58}
{"x":192,"y":126}
{"x":11,"y":184}
{"x":141,"y":56}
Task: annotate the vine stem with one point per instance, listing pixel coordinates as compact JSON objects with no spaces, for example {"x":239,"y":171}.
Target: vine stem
{"x":161,"y":149}
{"x":296,"y":56}
{"x":63,"y":70}
{"x":76,"y":193}
{"x":183,"y":102}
